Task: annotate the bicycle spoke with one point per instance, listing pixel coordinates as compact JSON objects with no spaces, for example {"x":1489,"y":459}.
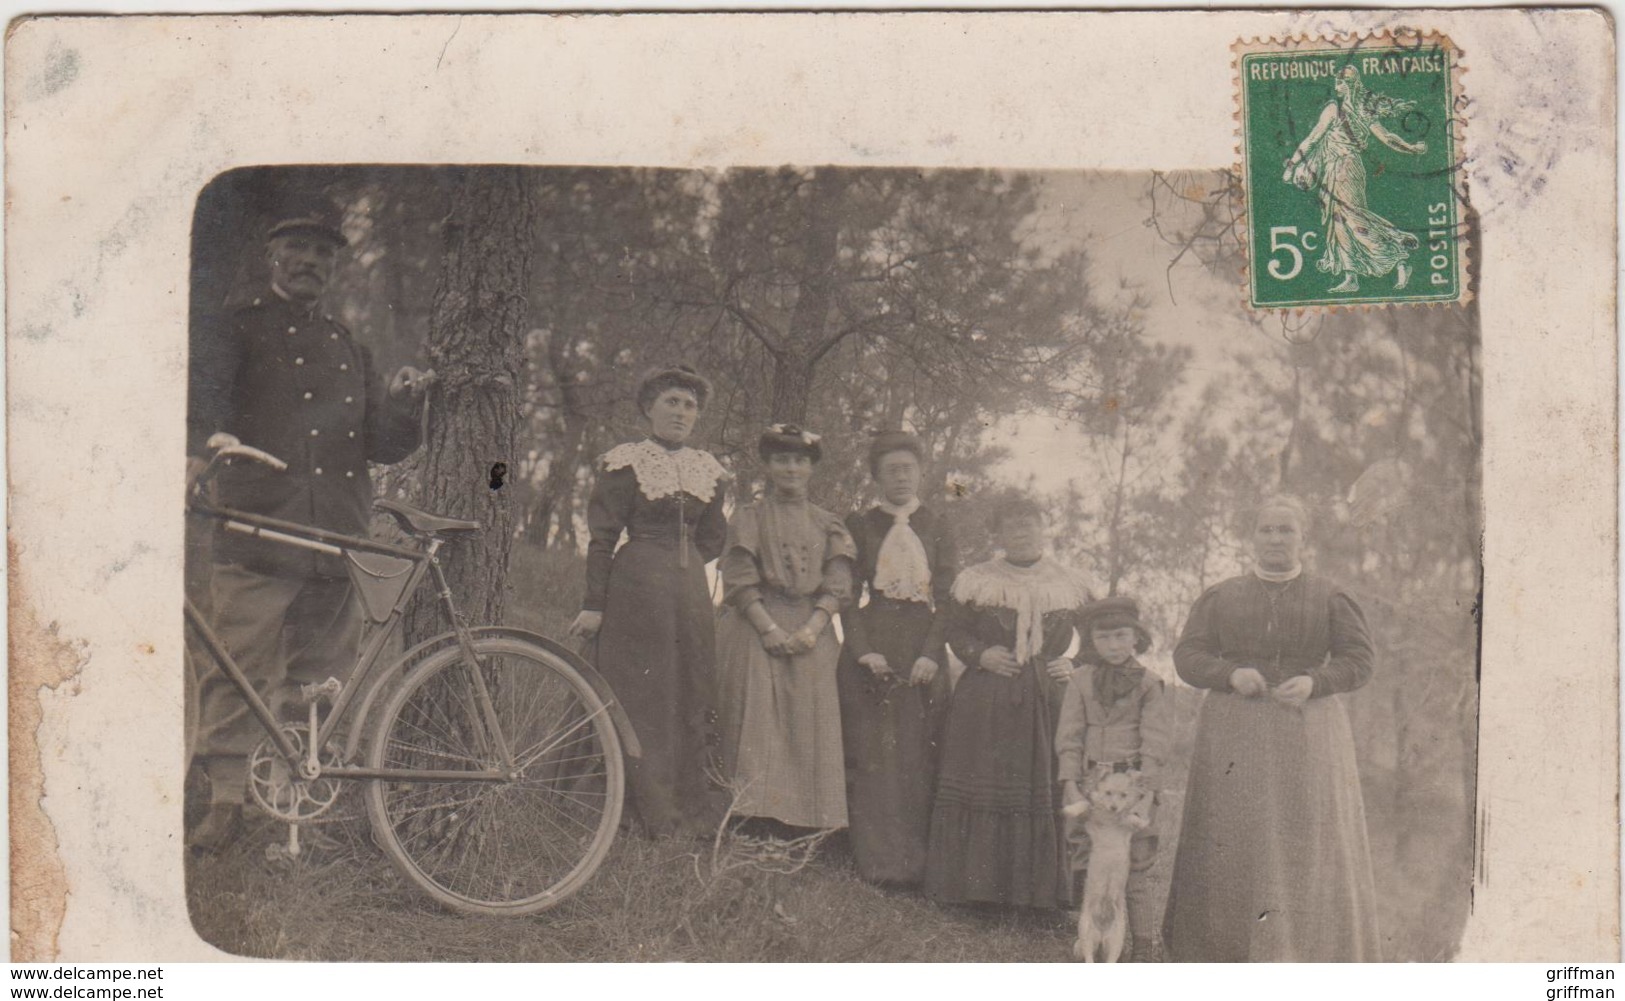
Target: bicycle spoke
{"x":531,"y":757}
{"x":522,"y":844}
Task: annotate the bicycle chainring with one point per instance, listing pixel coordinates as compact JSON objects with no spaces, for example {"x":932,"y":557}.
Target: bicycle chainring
{"x":279,"y":791}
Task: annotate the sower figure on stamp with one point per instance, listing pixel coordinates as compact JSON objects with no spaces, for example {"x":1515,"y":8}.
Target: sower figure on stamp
{"x":286,"y":377}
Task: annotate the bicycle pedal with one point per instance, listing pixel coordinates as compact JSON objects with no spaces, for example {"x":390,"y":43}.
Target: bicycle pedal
{"x":278,"y":854}
{"x":329,"y":689}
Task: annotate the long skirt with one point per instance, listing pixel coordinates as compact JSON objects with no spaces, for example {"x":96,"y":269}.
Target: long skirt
{"x":657,"y":650}
{"x":781,"y":721}
{"x":1357,"y":239}
{"x":891,"y":730}
{"x":995,"y":834}
{"x":1273,"y":862}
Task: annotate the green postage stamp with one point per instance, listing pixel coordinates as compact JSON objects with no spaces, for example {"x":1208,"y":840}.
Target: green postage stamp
{"x":1350,"y":161}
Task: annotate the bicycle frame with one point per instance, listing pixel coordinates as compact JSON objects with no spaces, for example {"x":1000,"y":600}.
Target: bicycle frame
{"x":425,"y":562}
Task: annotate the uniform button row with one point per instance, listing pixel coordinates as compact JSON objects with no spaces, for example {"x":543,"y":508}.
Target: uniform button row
{"x":349,"y":474}
{"x":312,"y":396}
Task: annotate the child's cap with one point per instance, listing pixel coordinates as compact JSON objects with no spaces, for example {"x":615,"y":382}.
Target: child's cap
{"x":1116,"y":612}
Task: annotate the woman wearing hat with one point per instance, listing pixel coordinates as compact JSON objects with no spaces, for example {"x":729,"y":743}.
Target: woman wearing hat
{"x":1273,"y":861}
{"x":995,"y":836}
{"x":786,"y":571}
{"x":892,"y":683}
{"x":647,"y":605}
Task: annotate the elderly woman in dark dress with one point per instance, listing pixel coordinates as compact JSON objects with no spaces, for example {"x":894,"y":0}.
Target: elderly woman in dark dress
{"x":892,"y":683}
{"x":995,"y":832}
{"x":1273,"y":862}
{"x":648,"y":605}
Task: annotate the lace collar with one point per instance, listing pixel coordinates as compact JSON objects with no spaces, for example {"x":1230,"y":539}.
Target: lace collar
{"x":998,"y":583}
{"x":1031,"y":592}
{"x":662,"y":472}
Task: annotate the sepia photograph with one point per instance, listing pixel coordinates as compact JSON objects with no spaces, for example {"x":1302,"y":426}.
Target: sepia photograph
{"x":816,"y":564}
{"x":853,"y":488}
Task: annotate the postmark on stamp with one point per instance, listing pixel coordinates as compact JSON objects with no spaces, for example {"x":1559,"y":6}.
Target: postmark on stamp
{"x":1350,"y":161}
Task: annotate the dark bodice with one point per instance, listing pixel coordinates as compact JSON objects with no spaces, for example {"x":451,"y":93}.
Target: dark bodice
{"x":972,"y":629}
{"x":868,"y":530}
{"x":1307,"y":626}
{"x":692,"y":529}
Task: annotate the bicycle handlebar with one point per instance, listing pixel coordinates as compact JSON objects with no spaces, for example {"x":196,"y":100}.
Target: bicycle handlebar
{"x":227,"y":446}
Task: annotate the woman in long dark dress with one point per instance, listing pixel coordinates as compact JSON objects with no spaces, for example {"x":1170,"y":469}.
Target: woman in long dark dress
{"x":649,"y":607}
{"x":995,"y":831}
{"x":892,"y":686}
{"x":1273,"y":862}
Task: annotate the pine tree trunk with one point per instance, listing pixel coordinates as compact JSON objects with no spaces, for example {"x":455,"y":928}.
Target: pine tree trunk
{"x":792,"y":389}
{"x":809,"y":321}
{"x":476,"y":345}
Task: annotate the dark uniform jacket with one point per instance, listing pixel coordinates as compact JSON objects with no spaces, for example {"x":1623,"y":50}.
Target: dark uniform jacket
{"x":297,"y":385}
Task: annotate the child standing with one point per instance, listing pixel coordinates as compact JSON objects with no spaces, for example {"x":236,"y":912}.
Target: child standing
{"x":1115,"y":717}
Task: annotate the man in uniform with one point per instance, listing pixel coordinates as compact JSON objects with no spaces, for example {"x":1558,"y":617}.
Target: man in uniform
{"x":287,"y":378}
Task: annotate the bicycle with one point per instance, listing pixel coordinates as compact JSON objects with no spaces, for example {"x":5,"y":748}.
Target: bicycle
{"x":495,"y":771}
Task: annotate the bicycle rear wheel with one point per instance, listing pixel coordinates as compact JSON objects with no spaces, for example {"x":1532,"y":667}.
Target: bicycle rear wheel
{"x":511,"y":847}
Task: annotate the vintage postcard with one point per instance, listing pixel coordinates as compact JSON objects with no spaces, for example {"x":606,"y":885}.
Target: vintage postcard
{"x":814,"y":487}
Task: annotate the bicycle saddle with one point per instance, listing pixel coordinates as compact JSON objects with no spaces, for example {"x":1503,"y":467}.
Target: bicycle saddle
{"x":420,"y":522}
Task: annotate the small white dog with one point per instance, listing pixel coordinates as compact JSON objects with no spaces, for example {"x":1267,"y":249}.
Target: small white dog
{"x":1118,"y":805}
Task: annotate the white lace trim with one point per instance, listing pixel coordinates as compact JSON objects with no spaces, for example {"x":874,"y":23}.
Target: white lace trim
{"x":661,"y":473}
{"x":1031,"y":592}
{"x":902,"y":568}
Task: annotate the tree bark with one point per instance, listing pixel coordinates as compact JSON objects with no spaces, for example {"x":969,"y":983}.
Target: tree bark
{"x":809,"y":321}
{"x":476,"y":345}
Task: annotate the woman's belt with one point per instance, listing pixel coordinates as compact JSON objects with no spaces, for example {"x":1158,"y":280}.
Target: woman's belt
{"x":665,"y":538}
{"x":877,"y":600}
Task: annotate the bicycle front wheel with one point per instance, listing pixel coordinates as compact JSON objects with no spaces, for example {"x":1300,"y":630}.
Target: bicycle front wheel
{"x":510,"y":847}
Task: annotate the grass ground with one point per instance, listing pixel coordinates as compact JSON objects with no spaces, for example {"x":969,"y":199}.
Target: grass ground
{"x":648,"y":901}
{"x":651,"y":901}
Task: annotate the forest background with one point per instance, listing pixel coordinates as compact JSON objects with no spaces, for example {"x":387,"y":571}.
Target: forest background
{"x":1078,"y":336}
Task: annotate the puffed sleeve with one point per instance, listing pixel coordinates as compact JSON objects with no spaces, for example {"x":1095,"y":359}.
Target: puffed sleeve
{"x":1352,"y":655}
{"x":741,"y":574}
{"x":712,"y":530}
{"x":853,"y":625}
{"x":1073,"y":727}
{"x":394,"y":426}
{"x":840,"y":554}
{"x":1196,"y":657}
{"x":608,"y":512}
{"x":944,"y":568}
{"x":963,"y":636}
{"x":1156,"y":730}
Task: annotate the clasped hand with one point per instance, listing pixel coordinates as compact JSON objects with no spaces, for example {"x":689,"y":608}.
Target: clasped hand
{"x":1248,"y":682}
{"x":923,"y":673}
{"x":779,"y":643}
{"x":999,"y":660}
